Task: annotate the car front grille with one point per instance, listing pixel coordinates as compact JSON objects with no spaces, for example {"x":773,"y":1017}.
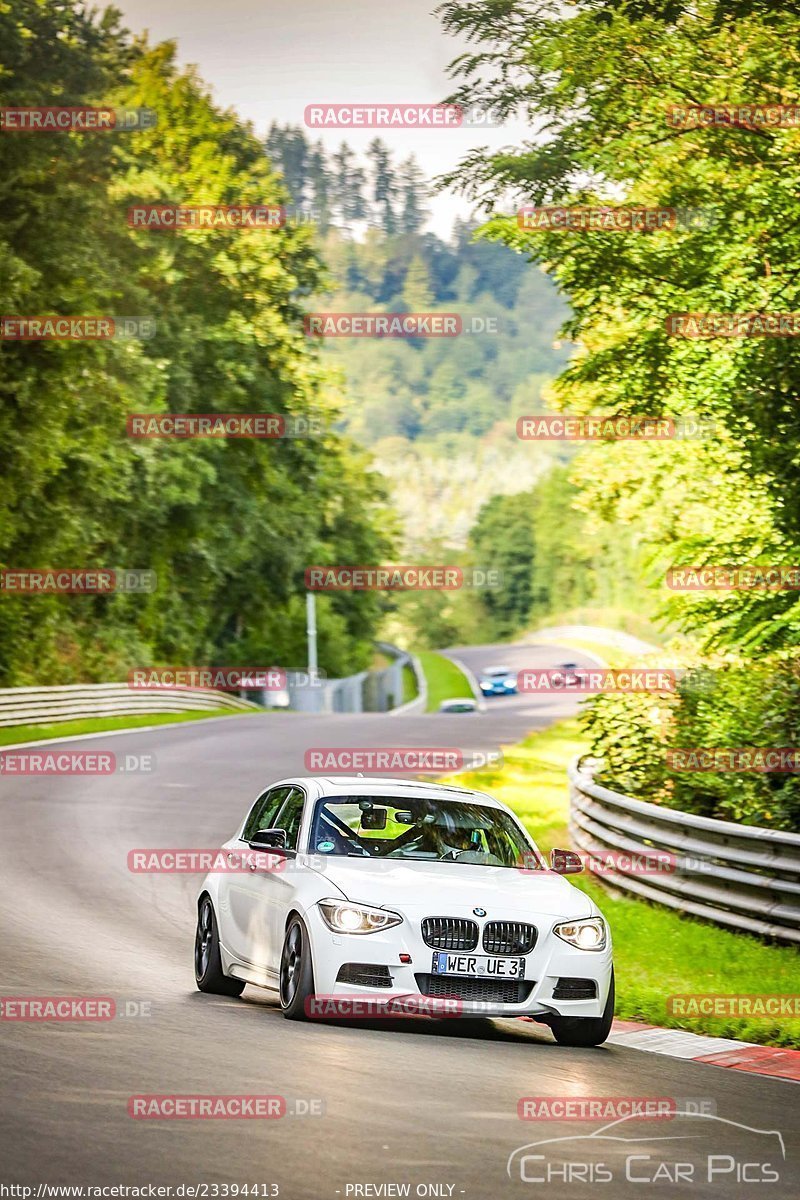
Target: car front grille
{"x":364,"y":975}
{"x":492,"y":991}
{"x":575,"y":989}
{"x":450,"y":933}
{"x":509,"y":937}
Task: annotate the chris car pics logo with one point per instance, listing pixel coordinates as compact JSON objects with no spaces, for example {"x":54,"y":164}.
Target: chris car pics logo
{"x":697,"y":1148}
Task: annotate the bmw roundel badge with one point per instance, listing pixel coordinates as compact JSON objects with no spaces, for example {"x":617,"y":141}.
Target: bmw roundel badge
{"x":479,"y":912}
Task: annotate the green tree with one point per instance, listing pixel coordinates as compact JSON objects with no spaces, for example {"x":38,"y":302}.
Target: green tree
{"x":600,"y":77}
{"x":503,"y":539}
{"x":229,"y":526}
{"x":384,"y":186}
{"x":319,"y":184}
{"x":347,"y":187}
{"x":603,"y":76}
{"x":417,"y":293}
{"x":412,"y":189}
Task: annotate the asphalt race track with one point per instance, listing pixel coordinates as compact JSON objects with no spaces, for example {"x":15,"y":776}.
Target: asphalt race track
{"x":369,"y":1103}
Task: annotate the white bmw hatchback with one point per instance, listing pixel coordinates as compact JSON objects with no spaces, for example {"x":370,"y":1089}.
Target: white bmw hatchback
{"x":351,"y":887}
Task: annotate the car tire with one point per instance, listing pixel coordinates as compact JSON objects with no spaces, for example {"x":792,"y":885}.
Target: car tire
{"x":296,"y":972}
{"x":585,"y":1031}
{"x":208,"y":972}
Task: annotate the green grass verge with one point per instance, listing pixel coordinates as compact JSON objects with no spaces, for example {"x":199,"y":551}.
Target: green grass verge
{"x":658,"y":952}
{"x":64,"y":729}
{"x":409,"y":684}
{"x":446,"y":681}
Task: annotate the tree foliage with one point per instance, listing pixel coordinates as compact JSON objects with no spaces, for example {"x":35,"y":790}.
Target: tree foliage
{"x":228,"y":526}
{"x":595,"y":79}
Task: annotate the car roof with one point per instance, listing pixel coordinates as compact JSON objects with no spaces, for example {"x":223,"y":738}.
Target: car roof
{"x":501,"y":670}
{"x":384,"y":785}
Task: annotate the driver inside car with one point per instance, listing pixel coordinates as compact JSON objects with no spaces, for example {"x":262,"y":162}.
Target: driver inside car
{"x":449,"y":843}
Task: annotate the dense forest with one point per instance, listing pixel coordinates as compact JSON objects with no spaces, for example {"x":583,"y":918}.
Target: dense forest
{"x":228,"y":526}
{"x":440,"y":412}
{"x":440,"y":415}
{"x":600,"y":78}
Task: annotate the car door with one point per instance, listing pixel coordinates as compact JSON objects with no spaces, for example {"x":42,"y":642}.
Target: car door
{"x":261,"y":893}
{"x":284,"y":883}
{"x":237,"y":913}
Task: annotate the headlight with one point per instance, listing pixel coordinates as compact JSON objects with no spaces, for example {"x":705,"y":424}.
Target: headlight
{"x":586,"y":935}
{"x":343,"y":917}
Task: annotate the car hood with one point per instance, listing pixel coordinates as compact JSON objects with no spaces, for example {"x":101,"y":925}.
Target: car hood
{"x":454,"y":889}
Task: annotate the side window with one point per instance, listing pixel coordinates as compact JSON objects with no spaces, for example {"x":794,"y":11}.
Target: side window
{"x":264,"y":811}
{"x":290,"y":816}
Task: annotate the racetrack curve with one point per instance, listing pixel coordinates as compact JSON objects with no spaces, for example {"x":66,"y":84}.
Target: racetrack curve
{"x":417,"y":1102}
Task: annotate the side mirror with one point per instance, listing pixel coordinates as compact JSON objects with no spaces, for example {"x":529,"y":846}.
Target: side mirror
{"x":268,"y":837}
{"x":565,"y":862}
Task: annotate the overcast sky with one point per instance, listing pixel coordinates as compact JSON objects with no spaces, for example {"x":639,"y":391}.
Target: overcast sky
{"x":268,"y":60}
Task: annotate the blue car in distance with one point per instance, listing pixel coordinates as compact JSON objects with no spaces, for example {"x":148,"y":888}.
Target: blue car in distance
{"x":498,"y":681}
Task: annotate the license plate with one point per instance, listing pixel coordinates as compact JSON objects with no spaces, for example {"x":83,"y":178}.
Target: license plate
{"x":478,"y":964}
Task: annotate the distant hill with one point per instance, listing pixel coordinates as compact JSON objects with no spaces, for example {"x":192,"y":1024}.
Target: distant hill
{"x":439,"y":414}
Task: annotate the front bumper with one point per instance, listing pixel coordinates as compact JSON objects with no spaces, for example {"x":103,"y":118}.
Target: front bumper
{"x":551,"y":960}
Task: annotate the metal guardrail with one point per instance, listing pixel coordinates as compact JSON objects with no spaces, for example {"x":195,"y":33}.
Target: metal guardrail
{"x":76,"y":702}
{"x":740,"y":876}
{"x":392,"y":680}
{"x":369,"y":691}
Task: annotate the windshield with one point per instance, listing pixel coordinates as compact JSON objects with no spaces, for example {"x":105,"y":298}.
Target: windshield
{"x":419,"y":828}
